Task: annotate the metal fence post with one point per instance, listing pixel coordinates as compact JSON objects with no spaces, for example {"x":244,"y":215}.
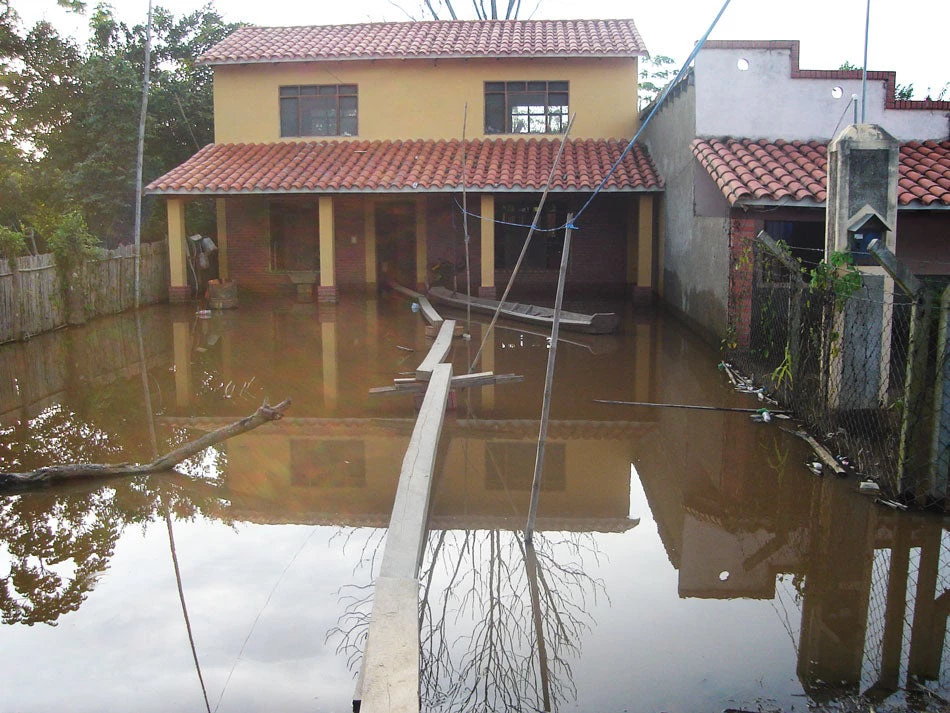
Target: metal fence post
{"x":940,"y":442}
{"x":913,"y":469}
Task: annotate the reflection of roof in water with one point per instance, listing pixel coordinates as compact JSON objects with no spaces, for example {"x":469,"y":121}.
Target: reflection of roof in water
{"x":280,"y":516}
{"x":558,"y":429}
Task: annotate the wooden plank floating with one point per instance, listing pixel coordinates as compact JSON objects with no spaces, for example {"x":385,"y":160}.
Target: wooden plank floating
{"x":464,"y":381}
{"x":389,"y":679}
{"x":438,"y":351}
{"x":429,"y":312}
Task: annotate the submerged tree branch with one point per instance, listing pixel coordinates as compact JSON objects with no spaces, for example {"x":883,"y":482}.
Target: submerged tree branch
{"x":53,"y":473}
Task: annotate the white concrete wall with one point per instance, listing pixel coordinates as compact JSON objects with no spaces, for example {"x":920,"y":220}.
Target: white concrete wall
{"x":764,"y":101}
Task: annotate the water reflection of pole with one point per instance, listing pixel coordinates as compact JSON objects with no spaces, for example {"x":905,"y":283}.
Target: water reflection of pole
{"x":153,"y":440}
{"x":531,"y":568}
{"x":548,"y":383}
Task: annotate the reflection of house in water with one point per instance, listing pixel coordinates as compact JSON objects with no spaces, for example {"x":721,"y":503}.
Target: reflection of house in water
{"x":345,"y":472}
{"x":873,"y":584}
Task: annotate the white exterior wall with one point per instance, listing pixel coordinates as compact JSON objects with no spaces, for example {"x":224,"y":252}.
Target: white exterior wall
{"x":764,"y":101}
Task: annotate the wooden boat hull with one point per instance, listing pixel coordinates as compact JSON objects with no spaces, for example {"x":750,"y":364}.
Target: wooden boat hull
{"x":599,"y":323}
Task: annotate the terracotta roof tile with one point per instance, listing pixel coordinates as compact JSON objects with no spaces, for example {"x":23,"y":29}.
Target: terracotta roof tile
{"x":780,"y":171}
{"x":420,"y":40}
{"x":408,"y":166}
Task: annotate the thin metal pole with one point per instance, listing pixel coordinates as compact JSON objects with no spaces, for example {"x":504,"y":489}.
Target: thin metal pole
{"x":548,"y":384}
{"x":468,"y":267}
{"x":524,"y":248}
{"x":864,"y":72}
{"x":137,"y":230}
{"x":688,"y":406}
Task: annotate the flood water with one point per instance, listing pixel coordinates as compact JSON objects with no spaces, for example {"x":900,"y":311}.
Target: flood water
{"x":684,"y":560}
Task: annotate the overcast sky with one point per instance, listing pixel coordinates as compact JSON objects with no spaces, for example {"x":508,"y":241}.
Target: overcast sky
{"x":909,"y":36}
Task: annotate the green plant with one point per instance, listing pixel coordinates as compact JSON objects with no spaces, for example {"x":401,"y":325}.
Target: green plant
{"x":838,"y":275}
{"x":71,"y":241}
{"x":783,"y":371}
{"x":12,"y":244}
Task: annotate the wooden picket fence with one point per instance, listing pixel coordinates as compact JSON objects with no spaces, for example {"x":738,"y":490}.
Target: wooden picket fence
{"x":32,"y":296}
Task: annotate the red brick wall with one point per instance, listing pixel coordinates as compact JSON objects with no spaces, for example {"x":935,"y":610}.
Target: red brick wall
{"x":249,"y":247}
{"x":598,"y":251}
{"x":445,"y":236}
{"x":742,"y":232}
{"x":350,"y":240}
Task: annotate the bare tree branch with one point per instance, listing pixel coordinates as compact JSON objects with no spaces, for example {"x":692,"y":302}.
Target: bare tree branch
{"x":53,"y":473}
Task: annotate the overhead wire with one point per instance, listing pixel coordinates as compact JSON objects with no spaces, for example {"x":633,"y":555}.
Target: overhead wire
{"x":623,"y":155}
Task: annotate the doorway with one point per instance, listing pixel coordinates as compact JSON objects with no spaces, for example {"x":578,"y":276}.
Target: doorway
{"x":396,"y":242}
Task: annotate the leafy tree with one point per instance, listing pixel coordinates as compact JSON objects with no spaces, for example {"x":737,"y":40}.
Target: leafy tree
{"x":445,"y":9}
{"x":655,"y":73}
{"x":70,"y":114}
{"x":902,"y":92}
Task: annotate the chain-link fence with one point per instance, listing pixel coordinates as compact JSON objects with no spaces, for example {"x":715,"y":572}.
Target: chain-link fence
{"x":859,"y":356}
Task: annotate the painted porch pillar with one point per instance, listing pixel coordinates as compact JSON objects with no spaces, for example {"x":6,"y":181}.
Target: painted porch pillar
{"x":178,"y":289}
{"x":326,"y":291}
{"x":487,"y":363}
{"x":331,"y":374}
{"x":644,"y":289}
{"x":487,"y":288}
{"x":181,"y":340}
{"x":221,"y":214}
{"x":660,"y":244}
{"x":640,"y":249}
{"x":369,"y":232}
{"x":422,"y":253}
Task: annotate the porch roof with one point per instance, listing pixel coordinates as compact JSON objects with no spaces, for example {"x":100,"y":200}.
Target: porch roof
{"x":462,"y":39}
{"x":419,"y":166}
{"x":762,"y":172}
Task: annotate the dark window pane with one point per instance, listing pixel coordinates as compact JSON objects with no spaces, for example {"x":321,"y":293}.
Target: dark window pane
{"x":557,"y":86}
{"x":288,"y":117}
{"x":494,"y":114}
{"x":348,"y":89}
{"x":308,"y":91}
{"x":515,"y":86}
{"x":537,"y":86}
{"x":289,"y":91}
{"x":331,"y":89}
{"x":494,"y":86}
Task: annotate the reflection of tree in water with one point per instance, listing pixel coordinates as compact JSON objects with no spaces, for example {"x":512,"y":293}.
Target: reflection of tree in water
{"x":500,"y":622}
{"x":59,"y":541}
{"x":505,"y":622}
{"x":357,"y":599}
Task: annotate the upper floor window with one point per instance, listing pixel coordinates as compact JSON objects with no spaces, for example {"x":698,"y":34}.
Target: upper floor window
{"x":318,"y":110}
{"x":525,"y":107}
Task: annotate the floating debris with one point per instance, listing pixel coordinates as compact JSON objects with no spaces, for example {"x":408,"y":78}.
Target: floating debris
{"x":869,"y":487}
{"x":815,"y":467}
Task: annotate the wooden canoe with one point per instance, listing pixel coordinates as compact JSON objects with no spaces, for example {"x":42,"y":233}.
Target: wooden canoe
{"x":599,"y":323}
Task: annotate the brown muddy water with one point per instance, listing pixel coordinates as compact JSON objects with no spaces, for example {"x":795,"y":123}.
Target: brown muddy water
{"x":684,"y":560}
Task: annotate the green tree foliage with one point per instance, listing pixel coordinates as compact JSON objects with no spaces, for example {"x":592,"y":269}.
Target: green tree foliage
{"x":902,"y":92}
{"x":69,"y":115}
{"x":655,"y":73}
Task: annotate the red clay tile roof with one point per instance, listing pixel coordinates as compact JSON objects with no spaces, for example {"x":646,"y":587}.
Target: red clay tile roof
{"x":425,"y":40}
{"x":408,"y":166}
{"x":789,"y":172}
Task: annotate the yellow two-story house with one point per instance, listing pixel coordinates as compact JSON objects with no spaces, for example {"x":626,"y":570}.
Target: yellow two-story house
{"x":354,"y":153}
